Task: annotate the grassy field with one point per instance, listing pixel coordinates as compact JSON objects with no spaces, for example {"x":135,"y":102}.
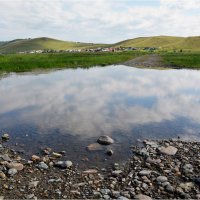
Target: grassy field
{"x":182,"y":60}
{"x":29,"y":62}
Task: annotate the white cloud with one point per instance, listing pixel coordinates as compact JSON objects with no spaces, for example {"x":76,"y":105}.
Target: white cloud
{"x":98,"y":20}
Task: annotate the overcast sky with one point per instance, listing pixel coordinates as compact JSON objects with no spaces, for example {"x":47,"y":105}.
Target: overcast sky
{"x":104,"y":21}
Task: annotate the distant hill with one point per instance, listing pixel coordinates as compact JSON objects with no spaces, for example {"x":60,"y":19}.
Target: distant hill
{"x":161,"y":42}
{"x":43,"y":43}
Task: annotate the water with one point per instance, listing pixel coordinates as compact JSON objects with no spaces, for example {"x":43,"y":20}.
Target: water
{"x":69,"y":109}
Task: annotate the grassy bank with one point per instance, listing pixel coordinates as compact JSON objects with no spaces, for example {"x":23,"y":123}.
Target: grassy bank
{"x":29,"y":62}
{"x":182,"y":60}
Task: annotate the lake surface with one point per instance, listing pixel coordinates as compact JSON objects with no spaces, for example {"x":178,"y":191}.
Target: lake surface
{"x":69,"y":109}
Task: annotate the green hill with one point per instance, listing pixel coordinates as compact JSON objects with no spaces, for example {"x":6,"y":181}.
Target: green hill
{"x":163,"y":42}
{"x":43,"y":43}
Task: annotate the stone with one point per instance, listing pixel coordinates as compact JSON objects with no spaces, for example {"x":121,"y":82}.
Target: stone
{"x":197,"y":181}
{"x":105,"y":191}
{"x":17,"y":166}
{"x":188,"y":168}
{"x":2,"y":175}
{"x":105,"y":140}
{"x":57,"y":155}
{"x":109,"y":152}
{"x":144,"y":172}
{"x":170,"y":188}
{"x":64,"y":164}
{"x":94,"y":147}
{"x":35,"y":158}
{"x":5,"y":136}
{"x":161,"y":179}
{"x":116,"y":172}
{"x":142,"y":197}
{"x":12,"y":171}
{"x":115,"y":194}
{"x":144,"y":152}
{"x":42,"y":165}
{"x":154,"y":161}
{"x":30,"y":196}
{"x":5,"y":157}
{"x":151,"y":143}
{"x":187,"y":187}
{"x":33,"y":184}
{"x":90,"y":171}
{"x":122,"y":198}
{"x":96,"y":195}
{"x":170,"y":150}
{"x":145,"y":186}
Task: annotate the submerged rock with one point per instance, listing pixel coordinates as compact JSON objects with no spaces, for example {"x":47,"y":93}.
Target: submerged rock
{"x":110,"y":152}
{"x":105,"y":140}
{"x":94,"y":147}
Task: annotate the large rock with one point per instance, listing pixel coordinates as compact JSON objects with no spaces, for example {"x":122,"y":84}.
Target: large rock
{"x":170,"y":150}
{"x":105,"y":140}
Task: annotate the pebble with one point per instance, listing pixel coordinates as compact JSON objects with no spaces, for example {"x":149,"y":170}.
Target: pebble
{"x":142,"y":197}
{"x":5,"y":136}
{"x":170,"y":188}
{"x":2,"y":175}
{"x":144,"y":172}
{"x":187,"y":187}
{"x":17,"y":166}
{"x":12,"y":171}
{"x":110,"y":152}
{"x":35,"y":158}
{"x":170,"y":150}
{"x":33,"y":184}
{"x":63,"y":164}
{"x":105,"y":140}
{"x":42,"y":165}
{"x":161,"y":179}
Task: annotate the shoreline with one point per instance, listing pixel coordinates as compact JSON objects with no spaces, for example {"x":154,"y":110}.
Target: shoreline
{"x":158,"y":169}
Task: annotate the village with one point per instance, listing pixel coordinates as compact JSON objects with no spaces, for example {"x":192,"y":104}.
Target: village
{"x":107,"y":49}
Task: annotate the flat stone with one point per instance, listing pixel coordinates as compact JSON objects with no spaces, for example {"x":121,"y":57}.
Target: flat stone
{"x":142,"y":197}
{"x":162,"y":179}
{"x":64,"y":164}
{"x":116,"y":172}
{"x":94,"y":147}
{"x":105,"y":191}
{"x":144,"y":172}
{"x":5,"y":157}
{"x":57,"y":155}
{"x":170,"y":150}
{"x":105,"y":140}
{"x":122,"y":198}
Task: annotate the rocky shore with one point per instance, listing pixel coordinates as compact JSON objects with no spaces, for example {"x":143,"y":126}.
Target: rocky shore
{"x":164,"y":169}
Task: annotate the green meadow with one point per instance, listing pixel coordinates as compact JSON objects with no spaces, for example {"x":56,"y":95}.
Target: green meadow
{"x":29,"y":62}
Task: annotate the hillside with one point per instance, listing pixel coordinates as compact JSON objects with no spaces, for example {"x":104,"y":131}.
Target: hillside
{"x":43,"y":43}
{"x":163,"y":42}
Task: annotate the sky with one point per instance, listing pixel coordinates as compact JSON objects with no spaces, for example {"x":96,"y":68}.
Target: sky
{"x":99,"y":21}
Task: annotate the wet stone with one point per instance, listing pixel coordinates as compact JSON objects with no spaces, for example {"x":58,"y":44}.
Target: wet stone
{"x":105,"y":140}
{"x":63,"y":164}
{"x":42,"y":165}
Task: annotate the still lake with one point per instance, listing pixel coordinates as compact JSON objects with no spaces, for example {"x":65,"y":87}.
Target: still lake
{"x":69,"y":109}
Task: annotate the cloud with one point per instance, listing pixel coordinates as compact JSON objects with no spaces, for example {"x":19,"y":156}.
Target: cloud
{"x":98,"y":20}
{"x":100,"y":100}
